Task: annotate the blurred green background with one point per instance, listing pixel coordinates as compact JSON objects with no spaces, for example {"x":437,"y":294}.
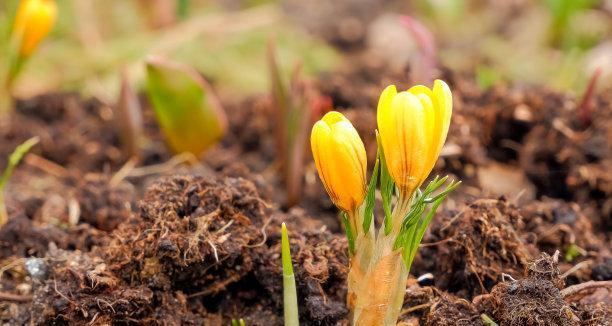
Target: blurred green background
{"x":558,"y":43}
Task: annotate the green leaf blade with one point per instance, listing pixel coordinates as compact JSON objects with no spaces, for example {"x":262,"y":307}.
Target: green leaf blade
{"x":187,"y":111}
{"x":290,"y":304}
{"x":371,"y":198}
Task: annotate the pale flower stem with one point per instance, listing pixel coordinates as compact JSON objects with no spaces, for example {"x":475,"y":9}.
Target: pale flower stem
{"x":6,"y":103}
{"x":364,"y":245}
{"x":379,"y":295}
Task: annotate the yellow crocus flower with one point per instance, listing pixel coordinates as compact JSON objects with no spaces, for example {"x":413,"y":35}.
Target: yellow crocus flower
{"x":33,"y":22}
{"x":340,"y":158}
{"x":413,"y":125}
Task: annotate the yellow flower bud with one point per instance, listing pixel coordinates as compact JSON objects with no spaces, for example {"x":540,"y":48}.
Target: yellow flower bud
{"x":413,"y":125}
{"x":33,"y":22}
{"x":340,"y":158}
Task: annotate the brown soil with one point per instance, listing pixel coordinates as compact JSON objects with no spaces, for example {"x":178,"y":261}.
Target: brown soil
{"x":474,"y":247}
{"x":199,"y":244}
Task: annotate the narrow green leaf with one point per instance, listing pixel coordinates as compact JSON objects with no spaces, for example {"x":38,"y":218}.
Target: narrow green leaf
{"x":488,"y":321}
{"x":420,"y":228}
{"x":15,"y":158}
{"x":290,"y":303}
{"x":387,"y":187}
{"x":409,"y":246}
{"x":187,"y":111}
{"x":13,"y":161}
{"x":371,"y":198}
{"x":350,"y":235}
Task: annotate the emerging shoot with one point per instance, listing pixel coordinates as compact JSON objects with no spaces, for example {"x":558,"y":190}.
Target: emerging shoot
{"x":188,"y":112}
{"x":413,"y":125}
{"x":129,"y":117}
{"x":294,"y":105}
{"x":586,"y":104}
{"x":289,"y":291}
{"x":238,"y":322}
{"x":426,"y":65}
{"x":13,"y":161}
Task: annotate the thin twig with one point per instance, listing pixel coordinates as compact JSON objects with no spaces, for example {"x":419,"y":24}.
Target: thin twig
{"x":164,"y":167}
{"x":123,"y":171}
{"x":431,"y":244}
{"x":415,"y":308}
{"x":5,"y":296}
{"x":571,"y":290}
{"x":576,"y":268}
{"x":264,"y":234}
{"x":46,"y":165}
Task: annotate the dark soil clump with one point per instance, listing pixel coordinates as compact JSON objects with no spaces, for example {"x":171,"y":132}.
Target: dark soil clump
{"x":535,"y":300}
{"x":192,"y":235}
{"x":474,"y":246}
{"x":102,"y":205}
{"x":450,"y":310}
{"x":80,"y":289}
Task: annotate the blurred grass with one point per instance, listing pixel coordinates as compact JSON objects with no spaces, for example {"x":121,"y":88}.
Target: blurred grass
{"x":84,"y":53}
{"x":547,"y":42}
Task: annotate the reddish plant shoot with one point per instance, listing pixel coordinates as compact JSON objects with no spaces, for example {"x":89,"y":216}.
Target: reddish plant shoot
{"x":129,"y":117}
{"x":425,"y":67}
{"x":586,"y":105}
{"x":295,"y":107}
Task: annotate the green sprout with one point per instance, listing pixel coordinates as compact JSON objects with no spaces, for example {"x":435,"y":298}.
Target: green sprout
{"x":487,"y":320}
{"x":13,"y":161}
{"x":573,"y":252}
{"x":289,"y":291}
{"x":238,"y":322}
{"x":188,"y":112}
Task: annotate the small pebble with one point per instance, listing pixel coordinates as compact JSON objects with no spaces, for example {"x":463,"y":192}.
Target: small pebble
{"x":426,"y":279}
{"x":37,"y":268}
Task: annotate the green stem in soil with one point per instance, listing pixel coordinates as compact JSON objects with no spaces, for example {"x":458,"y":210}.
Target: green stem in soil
{"x":13,"y":160}
{"x":487,"y":320}
{"x":289,"y":291}
{"x":6,"y":103}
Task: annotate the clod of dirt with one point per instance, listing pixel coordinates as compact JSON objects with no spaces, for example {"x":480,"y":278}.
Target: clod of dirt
{"x":535,"y":300}
{"x":73,"y":133}
{"x":417,"y":302}
{"x":21,"y":238}
{"x":473,"y":247}
{"x":450,"y":310}
{"x":80,"y":289}
{"x":602,"y":270}
{"x":320,"y":261}
{"x":558,"y":225}
{"x":103,"y":205}
{"x":192,"y":235}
